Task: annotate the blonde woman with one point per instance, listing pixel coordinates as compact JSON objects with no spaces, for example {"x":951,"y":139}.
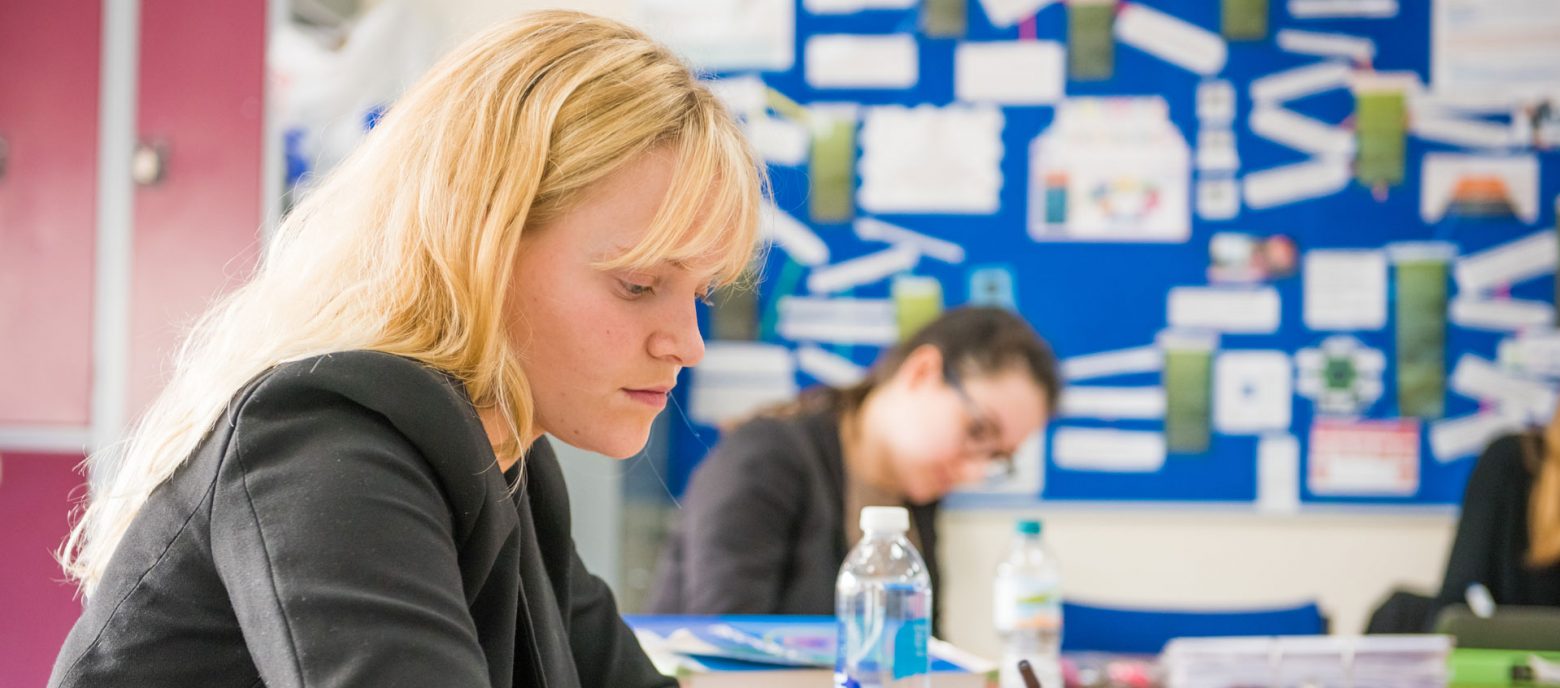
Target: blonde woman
{"x":345,"y":482}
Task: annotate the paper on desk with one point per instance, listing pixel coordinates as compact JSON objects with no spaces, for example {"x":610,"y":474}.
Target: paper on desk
{"x":1457,"y":438}
{"x":1299,"y":82}
{"x":798,"y":240}
{"x":930,"y":159}
{"x":1113,"y":451}
{"x":838,"y":321}
{"x":1314,"y":178}
{"x":1010,"y":72}
{"x":1278,"y":474}
{"x":1215,"y":102}
{"x":1005,"y":13}
{"x":1345,"y":289}
{"x":873,"y":229}
{"x":1323,"y":44}
{"x":1343,"y":9}
{"x":1509,"y":315}
{"x":828,"y":367}
{"x":737,"y":378}
{"x":1220,"y":309}
{"x":1479,"y":186}
{"x":850,"y":6}
{"x":1113,"y":403}
{"x":1506,"y":264}
{"x":861,"y":61}
{"x":1286,"y":128}
{"x":866,"y":269}
{"x":1252,"y":392}
{"x":1171,"y":39}
{"x":1143,"y":359}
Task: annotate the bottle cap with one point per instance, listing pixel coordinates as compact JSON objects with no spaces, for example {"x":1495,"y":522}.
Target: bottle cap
{"x":1029,"y":527}
{"x":884,"y":518}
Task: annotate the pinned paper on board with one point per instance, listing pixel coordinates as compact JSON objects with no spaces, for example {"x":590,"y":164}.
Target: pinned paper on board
{"x":1529,"y":400}
{"x":1110,"y":169}
{"x":1142,"y":359}
{"x":1218,"y":197}
{"x":853,"y":6}
{"x":862,"y":270}
{"x":1244,"y":20}
{"x":1215,"y":102}
{"x":725,"y":35}
{"x":887,"y":61}
{"x":918,"y":300}
{"x":1479,"y":187}
{"x":1296,"y":182}
{"x":779,"y":141}
{"x":838,"y":321}
{"x":1171,"y":39}
{"x":1343,"y":9}
{"x":993,"y":285}
{"x":1364,"y":458}
{"x":1278,"y":474}
{"x":984,"y":72}
{"x":1345,"y":289}
{"x":1299,"y":82}
{"x":1252,"y":392}
{"x":944,"y":18}
{"x":1500,"y":314}
{"x":798,"y":240}
{"x":1006,"y":13}
{"x":1237,"y":310}
{"x":828,"y":367}
{"x":1341,"y":375}
{"x":1091,"y":47}
{"x":931,"y":160}
{"x":1109,"y":451}
{"x":1188,"y":385}
{"x":737,"y":378}
{"x":1236,"y":258}
{"x":1504,"y":47}
{"x":1380,"y":126}
{"x":1465,"y":436}
{"x":873,"y":229}
{"x":1357,"y":49}
{"x":1534,"y":353}
{"x":1505,"y":264}
{"x":1420,"y":285}
{"x":1113,"y":403}
{"x":832,"y":166}
{"x":734,"y":313}
{"x":1307,"y":135}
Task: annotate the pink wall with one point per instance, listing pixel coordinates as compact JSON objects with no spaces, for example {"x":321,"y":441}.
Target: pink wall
{"x":37,"y":607}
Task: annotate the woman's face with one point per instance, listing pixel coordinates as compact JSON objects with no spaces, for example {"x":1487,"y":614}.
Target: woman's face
{"x":602,"y":348}
{"x":943,"y":435}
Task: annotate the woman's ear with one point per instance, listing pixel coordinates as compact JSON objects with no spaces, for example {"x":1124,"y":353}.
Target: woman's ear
{"x":922,"y":368}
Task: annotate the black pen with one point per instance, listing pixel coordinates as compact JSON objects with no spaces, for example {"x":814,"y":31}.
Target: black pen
{"x":1028,"y":674}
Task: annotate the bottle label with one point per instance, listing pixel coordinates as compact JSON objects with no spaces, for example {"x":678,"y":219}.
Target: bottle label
{"x":910,"y":649}
{"x":1027,"y":603}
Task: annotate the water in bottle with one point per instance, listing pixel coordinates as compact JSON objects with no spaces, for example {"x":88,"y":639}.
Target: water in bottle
{"x":1027,"y":605}
{"x":883,"y":604}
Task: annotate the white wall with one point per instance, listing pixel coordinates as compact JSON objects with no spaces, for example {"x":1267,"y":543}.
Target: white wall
{"x":1198,"y":558}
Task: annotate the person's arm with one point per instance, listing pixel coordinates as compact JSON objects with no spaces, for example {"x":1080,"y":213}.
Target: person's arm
{"x":1476,"y":548}
{"x":738,"y":516}
{"x":336,"y":544}
{"x":606,"y":653}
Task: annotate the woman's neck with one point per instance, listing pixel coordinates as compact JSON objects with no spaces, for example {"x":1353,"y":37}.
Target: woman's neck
{"x":505,"y":449}
{"x":867,"y":456}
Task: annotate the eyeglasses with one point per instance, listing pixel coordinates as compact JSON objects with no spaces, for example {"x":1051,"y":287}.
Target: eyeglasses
{"x":982,"y":437}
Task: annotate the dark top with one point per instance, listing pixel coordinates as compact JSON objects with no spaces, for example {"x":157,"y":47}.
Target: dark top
{"x":1492,"y":536}
{"x":345,"y":524}
{"x":762,"y":526}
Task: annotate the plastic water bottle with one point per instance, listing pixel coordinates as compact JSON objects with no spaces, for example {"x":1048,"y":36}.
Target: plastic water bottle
{"x":1027,"y":606}
{"x":883,"y":603}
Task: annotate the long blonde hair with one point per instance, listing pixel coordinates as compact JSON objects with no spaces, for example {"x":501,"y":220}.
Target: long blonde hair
{"x":409,"y":245}
{"x":1544,"y":501}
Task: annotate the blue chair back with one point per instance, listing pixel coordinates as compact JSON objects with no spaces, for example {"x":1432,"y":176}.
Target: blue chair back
{"x":1090,"y":628}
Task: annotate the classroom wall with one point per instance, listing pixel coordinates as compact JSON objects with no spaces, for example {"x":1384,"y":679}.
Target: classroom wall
{"x":1346,"y":560}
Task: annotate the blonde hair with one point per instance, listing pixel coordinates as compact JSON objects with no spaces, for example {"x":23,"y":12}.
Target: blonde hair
{"x":409,"y":245}
{"x":1544,"y":500}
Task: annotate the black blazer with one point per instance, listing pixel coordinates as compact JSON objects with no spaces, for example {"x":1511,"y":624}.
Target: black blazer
{"x":762,"y":525}
{"x":1491,"y":545}
{"x":345,"y":525}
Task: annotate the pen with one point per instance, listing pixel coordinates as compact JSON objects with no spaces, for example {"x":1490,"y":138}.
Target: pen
{"x":1028,"y":674}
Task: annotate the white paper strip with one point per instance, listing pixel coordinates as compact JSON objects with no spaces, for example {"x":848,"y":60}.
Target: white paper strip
{"x":1252,"y":392}
{"x":1278,"y":474}
{"x":1507,"y":315}
{"x":1508,"y":263}
{"x":873,"y":229}
{"x":1344,"y":289}
{"x":1215,"y":102}
{"x":1144,"y":359}
{"x":1300,"y":81}
{"x":862,"y":61}
{"x":1115,"y":451}
{"x":781,"y":142}
{"x":1010,"y":72}
{"x":828,"y":367}
{"x":1005,"y":13}
{"x":1246,"y":311}
{"x":1300,"y":181}
{"x":1343,"y":9}
{"x":1113,"y":403}
{"x":1468,"y":133}
{"x":863,"y":270}
{"x":1456,"y":438}
{"x":1171,"y":39}
{"x":851,"y":6}
{"x":1479,"y":379}
{"x":798,"y":240}
{"x":1321,"y":44}
{"x":1307,"y":135}
{"x":743,"y":95}
{"x":737,"y":378}
{"x":838,"y":321}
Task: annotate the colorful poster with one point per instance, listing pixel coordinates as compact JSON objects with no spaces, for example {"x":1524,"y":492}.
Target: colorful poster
{"x":1364,"y":458}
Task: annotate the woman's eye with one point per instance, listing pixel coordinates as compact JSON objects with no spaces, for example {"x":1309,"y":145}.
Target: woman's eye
{"x":635,"y":290}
